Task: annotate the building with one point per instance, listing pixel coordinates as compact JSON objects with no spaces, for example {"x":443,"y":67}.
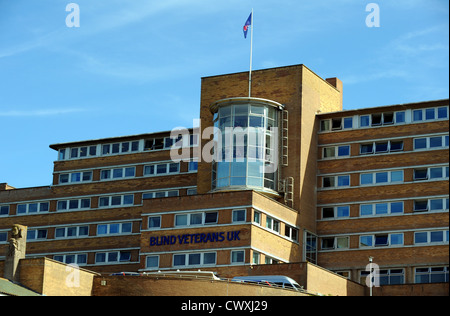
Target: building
{"x":264,"y":183}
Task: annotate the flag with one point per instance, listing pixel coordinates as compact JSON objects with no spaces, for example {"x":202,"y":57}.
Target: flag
{"x":247,"y":24}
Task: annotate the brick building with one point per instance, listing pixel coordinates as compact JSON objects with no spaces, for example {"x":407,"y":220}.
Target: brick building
{"x":307,"y":182}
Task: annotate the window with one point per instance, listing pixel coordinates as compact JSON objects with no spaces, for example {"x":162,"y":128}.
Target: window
{"x":257,"y":218}
{"x":4,"y":210}
{"x":194,"y":259}
{"x":336,"y":152}
{"x":435,"y":142}
{"x":113,"y":257}
{"x":237,"y":256}
{"x":154,"y":222}
{"x":336,"y":181}
{"x":152,"y":262}
{"x":36,"y":234}
{"x":381,"y":240}
{"x":311,"y":247}
{"x":79,"y":259}
{"x":117,"y":173}
{"x":114,"y":229}
{"x":272,"y":224}
{"x":382,"y":119}
{"x":430,"y":173}
{"x":381,"y":177}
{"x":381,"y":147}
{"x":431,"y":237}
{"x":430,"y":114}
{"x":3,"y":237}
{"x":120,"y":148}
{"x":193,"y":165}
{"x":79,"y":152}
{"x":336,"y":212}
{"x":73,"y":204}
{"x":159,"y":194}
{"x":256,"y":257}
{"x":118,"y":200}
{"x":291,"y":233}
{"x":196,"y":219}
{"x":239,"y":216}
{"x":75,"y":177}
{"x":391,"y":276}
{"x":71,"y":232}
{"x":329,"y":243}
{"x":161,"y":169}
{"x":381,"y":208}
{"x":431,"y":275}
{"x":336,"y":124}
{"x":32,"y":208}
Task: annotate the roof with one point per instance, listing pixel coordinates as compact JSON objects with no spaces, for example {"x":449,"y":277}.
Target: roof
{"x":377,"y":109}
{"x":110,"y":139}
{"x":11,"y":289}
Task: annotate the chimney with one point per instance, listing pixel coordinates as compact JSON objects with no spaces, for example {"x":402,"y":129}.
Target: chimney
{"x":6,"y":187}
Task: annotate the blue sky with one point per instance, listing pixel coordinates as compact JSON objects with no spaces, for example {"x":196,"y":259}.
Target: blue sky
{"x":135,"y":66}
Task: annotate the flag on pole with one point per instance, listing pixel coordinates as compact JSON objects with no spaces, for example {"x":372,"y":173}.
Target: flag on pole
{"x":247,"y":24}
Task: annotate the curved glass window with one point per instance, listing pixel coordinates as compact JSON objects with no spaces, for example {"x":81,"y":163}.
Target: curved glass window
{"x":246,"y":147}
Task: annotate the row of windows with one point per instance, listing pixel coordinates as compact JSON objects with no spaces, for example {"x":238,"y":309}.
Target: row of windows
{"x":421,"y":275}
{"x":238,"y":216}
{"x":78,"y":231}
{"x":110,"y":257}
{"x":386,"y":240}
{"x":386,"y":146}
{"x":197,"y":259}
{"x":163,"y":143}
{"x":387,"y":208}
{"x":85,"y":203}
{"x":384,"y":119}
{"x":125,"y":172}
{"x":386,"y":177}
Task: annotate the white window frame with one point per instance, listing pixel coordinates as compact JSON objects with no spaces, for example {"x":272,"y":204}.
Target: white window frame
{"x":28,"y":206}
{"x":110,"y":198}
{"x":374,"y":209}
{"x":66,"y":230}
{"x":389,"y":240}
{"x":336,"y":212}
{"x":202,"y":259}
{"x":155,"y":169}
{"x":374,"y":175}
{"x":120,"y":230}
{"x":153,"y":267}
{"x":111,"y":173}
{"x":71,"y":174}
{"x":232,"y":254}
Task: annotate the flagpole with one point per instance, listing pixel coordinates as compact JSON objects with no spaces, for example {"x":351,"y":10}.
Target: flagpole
{"x":251,"y":61}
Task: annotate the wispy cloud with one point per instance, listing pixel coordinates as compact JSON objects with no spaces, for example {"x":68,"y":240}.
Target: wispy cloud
{"x":39,"y":113}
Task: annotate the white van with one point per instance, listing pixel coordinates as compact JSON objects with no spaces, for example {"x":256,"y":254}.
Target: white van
{"x":272,"y":280}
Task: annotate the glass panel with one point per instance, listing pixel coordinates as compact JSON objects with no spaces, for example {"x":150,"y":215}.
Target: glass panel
{"x":194,"y":259}
{"x":381,"y":177}
{"x":381,"y":208}
{"x":366,"y":178}
{"x":343,"y":211}
{"x":154,"y":222}
{"x":209,"y":258}
{"x":181,"y":220}
{"x":196,"y":219}
{"x":397,"y":207}
{"x":366,"y":210}
{"x":435,"y":142}
{"x":211,"y":218}
{"x":420,"y":238}
{"x":179,"y":260}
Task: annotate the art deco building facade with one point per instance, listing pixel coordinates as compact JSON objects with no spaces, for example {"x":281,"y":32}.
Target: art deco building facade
{"x":292,"y":178}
